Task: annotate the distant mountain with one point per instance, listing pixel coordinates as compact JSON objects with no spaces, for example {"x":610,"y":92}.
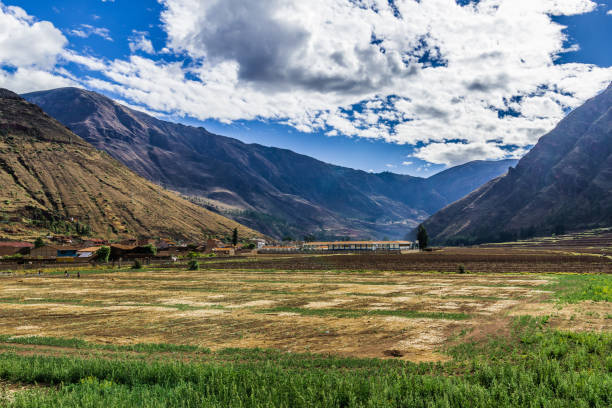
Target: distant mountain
{"x":563,"y":183}
{"x":52,"y":180}
{"x":273,"y":190}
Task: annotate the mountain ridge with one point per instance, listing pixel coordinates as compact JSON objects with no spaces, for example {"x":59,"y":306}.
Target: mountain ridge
{"x":274,"y":190}
{"x":564,"y":182}
{"x":53,"y":180}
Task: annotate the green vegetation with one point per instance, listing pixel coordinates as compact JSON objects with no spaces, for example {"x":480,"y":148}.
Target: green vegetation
{"x":39,"y":242}
{"x":422,"y":237}
{"x":137,"y":264}
{"x":103,"y":254}
{"x":235,"y":237}
{"x":576,"y":288}
{"x":194,"y":265}
{"x":532,"y":367}
{"x":82,"y":344}
{"x":355,"y":313}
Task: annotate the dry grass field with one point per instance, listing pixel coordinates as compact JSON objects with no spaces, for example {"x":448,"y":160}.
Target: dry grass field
{"x":312,"y":320}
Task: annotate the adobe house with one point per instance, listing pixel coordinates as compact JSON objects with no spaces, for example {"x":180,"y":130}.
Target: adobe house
{"x":14,"y":248}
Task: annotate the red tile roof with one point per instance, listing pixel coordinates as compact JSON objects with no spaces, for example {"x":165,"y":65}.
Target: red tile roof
{"x":16,"y":244}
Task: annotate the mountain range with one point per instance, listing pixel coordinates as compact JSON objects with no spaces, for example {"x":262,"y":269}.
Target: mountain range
{"x":563,"y":183}
{"x":54,"y":181}
{"x":275,"y":191}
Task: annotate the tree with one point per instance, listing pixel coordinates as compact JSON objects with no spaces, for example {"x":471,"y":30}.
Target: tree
{"x":422,"y":237}
{"x":103,"y":254}
{"x":235,"y":237}
{"x":39,"y":242}
{"x":150,"y":249}
{"x":194,"y":265}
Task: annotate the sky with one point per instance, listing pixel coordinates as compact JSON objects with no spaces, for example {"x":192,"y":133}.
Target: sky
{"x":406,"y":86}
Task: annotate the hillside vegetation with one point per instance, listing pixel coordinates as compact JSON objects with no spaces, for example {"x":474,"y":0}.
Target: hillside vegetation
{"x":52,"y":181}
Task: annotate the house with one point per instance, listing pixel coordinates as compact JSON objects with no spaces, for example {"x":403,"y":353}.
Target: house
{"x":224,"y":251}
{"x":92,"y":242}
{"x":120,"y":250}
{"x":164,"y":243}
{"x":213,"y":243}
{"x":259,"y":243}
{"x":54,"y":251}
{"x":14,"y":248}
{"x":358,"y":246}
{"x":87,"y":252}
{"x":44,"y":252}
{"x":67,"y":252}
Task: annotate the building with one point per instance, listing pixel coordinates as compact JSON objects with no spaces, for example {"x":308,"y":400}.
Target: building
{"x":276,"y":249}
{"x":357,"y":246}
{"x":229,"y":251}
{"x":87,"y":252}
{"x":259,"y":242}
{"x":53,"y":252}
{"x":14,"y":248}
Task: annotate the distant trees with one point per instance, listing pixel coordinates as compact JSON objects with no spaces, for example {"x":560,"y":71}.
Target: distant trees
{"x":422,"y":237}
{"x":39,"y":243}
{"x":103,"y":254}
{"x":150,"y":249}
{"x":235,"y":237}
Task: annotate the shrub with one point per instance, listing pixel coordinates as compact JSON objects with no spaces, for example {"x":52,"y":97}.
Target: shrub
{"x":194,"y":265}
{"x":39,"y":242}
{"x":462,"y":269}
{"x":137,"y":264}
{"x":103,"y":254}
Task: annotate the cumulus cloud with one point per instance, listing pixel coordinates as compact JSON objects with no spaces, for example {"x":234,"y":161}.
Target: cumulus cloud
{"x":462,"y":82}
{"x":31,"y":67}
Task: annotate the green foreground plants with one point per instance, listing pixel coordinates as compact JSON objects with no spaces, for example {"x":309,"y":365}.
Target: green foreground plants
{"x":533,"y":367}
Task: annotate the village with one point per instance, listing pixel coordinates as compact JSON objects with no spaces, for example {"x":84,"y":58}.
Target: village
{"x":59,"y":249}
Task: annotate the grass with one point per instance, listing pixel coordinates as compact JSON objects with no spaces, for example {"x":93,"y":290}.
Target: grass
{"x":534,"y":366}
{"x":577,"y":288}
{"x":82,"y":344}
{"x":355,"y":313}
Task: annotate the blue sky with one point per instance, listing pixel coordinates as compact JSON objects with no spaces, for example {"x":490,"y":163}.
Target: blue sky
{"x":382,"y":85}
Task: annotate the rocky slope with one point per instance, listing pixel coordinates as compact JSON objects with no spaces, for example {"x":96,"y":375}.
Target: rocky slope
{"x":52,"y":180}
{"x":273,"y":190}
{"x":563,"y":183}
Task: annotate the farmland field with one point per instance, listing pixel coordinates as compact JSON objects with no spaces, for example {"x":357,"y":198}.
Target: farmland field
{"x":458,"y":327}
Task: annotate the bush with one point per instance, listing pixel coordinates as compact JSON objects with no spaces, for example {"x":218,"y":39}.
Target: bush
{"x":194,"y":265}
{"x":137,"y":264}
{"x":462,"y":269}
{"x":39,"y":242}
{"x":103,"y":254}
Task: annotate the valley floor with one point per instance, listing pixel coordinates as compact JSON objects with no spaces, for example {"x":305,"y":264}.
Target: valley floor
{"x":245,"y":335}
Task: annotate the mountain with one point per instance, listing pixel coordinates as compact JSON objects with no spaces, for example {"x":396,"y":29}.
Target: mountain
{"x":52,"y":180}
{"x":273,"y":190}
{"x":563,"y":183}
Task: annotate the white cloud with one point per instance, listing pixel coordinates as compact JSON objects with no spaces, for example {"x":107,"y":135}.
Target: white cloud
{"x":139,"y":42}
{"x":407,"y":163}
{"x":609,"y":12}
{"x":457,"y":153}
{"x":32,"y":67}
{"x":429,"y":72}
{"x":87,"y":30}
{"x":28,"y":43}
